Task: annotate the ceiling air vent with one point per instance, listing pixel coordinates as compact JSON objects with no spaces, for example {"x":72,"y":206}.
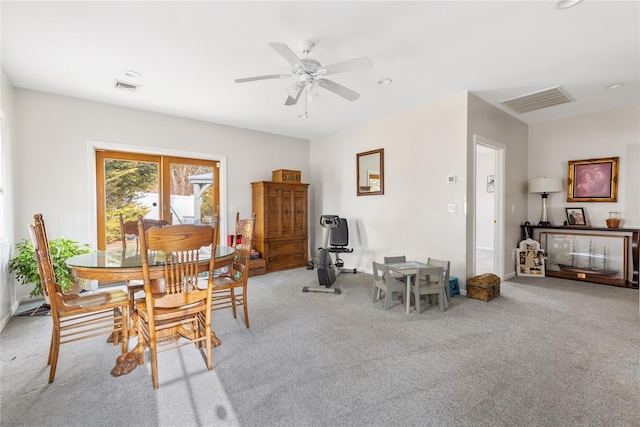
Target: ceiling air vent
{"x":129,"y":87}
{"x":537,"y":100}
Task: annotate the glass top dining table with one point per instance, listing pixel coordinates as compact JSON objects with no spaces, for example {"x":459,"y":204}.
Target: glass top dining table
{"x":115,"y":265}
{"x":121,"y":264}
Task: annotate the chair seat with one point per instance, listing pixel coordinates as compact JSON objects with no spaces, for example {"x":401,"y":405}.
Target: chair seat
{"x":340,"y":250}
{"x":135,"y":284}
{"x":161,"y":314}
{"x":100,"y":300}
{"x":223,"y":281}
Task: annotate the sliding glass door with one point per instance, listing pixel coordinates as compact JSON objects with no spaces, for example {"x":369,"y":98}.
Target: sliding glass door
{"x":193,"y":196}
{"x":174,"y":189}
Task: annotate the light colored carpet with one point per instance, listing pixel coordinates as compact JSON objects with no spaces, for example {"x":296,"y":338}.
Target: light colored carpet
{"x":548,"y":352}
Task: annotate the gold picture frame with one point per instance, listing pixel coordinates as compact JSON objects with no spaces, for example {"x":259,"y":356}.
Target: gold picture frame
{"x":593,"y":180}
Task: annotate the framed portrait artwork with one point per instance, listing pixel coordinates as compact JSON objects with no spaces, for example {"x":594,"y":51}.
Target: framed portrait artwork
{"x":575,"y":216}
{"x":593,"y":180}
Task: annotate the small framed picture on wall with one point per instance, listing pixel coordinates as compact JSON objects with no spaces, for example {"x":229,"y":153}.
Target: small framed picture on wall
{"x":491,"y":183}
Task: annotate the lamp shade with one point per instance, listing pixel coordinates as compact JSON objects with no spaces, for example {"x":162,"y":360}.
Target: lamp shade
{"x":545,"y":185}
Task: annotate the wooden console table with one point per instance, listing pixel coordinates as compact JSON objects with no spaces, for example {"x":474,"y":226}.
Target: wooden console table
{"x":528,"y":231}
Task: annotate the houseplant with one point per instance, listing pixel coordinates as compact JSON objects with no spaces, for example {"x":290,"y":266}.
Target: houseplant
{"x":25,"y":266}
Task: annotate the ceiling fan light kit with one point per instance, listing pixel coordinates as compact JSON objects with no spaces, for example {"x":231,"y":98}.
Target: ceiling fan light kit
{"x":307,"y":73}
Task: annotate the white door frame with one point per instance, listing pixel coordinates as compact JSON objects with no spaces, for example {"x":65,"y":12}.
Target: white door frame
{"x":499,"y":200}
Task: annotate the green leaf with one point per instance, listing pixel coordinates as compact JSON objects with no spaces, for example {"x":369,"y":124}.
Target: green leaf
{"x":25,"y":266}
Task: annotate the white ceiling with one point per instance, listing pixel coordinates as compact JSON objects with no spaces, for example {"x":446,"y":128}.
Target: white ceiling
{"x":189,"y":54}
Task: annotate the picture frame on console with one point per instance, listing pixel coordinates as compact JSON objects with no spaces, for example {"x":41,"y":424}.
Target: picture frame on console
{"x":575,"y":216}
{"x":593,"y":180}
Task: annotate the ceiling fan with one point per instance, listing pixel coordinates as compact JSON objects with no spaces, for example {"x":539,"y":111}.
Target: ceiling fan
{"x":309,"y":73}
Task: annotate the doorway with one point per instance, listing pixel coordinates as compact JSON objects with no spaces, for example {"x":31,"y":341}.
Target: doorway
{"x":489,"y":207}
{"x":177,"y":190}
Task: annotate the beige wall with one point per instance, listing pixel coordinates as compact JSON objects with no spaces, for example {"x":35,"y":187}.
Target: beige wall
{"x":8,"y":293}
{"x":422,"y":147}
{"x":492,"y":124}
{"x":613,"y":133}
{"x":56,"y":174}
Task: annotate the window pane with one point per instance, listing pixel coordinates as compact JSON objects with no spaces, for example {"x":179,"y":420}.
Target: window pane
{"x":131,"y":189}
{"x":192,"y":193}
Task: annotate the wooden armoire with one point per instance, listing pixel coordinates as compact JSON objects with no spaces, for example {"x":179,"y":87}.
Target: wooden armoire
{"x":281,"y":232}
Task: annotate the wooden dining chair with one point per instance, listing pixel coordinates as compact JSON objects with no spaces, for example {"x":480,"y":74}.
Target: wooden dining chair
{"x":77,"y":317}
{"x":384,"y":281}
{"x":230,"y":288}
{"x":429,"y":281}
{"x":130,"y":228}
{"x":174,"y":305}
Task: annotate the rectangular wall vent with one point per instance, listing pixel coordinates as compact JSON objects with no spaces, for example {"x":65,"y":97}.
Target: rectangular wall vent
{"x":537,"y":100}
{"x":129,"y":87}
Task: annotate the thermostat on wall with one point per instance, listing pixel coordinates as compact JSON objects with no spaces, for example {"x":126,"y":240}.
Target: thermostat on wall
{"x":452,"y":179}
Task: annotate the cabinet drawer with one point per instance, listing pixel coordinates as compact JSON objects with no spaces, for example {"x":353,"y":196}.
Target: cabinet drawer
{"x":284,"y":258}
{"x":278,"y":248}
{"x":286,"y":261}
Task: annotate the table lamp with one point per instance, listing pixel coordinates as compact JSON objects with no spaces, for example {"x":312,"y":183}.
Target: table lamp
{"x":544,"y":186}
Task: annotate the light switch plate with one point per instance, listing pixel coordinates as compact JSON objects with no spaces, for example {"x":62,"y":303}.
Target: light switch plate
{"x":452,"y":179}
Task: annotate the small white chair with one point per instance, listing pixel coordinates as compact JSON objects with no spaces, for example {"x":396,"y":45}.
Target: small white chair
{"x":445,"y":274}
{"x":429,"y":281}
{"x":383,"y":281}
{"x":395,"y":260}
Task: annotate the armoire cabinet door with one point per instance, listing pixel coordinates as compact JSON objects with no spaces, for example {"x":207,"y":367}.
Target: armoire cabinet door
{"x":273,"y":214}
{"x":287,"y":214}
{"x":300,"y":213}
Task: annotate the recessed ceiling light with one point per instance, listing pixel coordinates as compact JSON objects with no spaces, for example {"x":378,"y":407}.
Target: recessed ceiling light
{"x":385,"y":81}
{"x":566,"y":4}
{"x":130,"y":73}
{"x":615,"y":86}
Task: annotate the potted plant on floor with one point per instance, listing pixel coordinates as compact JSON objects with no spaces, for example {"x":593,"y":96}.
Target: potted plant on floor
{"x":25,"y":266}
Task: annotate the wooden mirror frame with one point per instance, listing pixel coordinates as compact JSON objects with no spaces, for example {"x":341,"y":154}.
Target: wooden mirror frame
{"x":363,"y":180}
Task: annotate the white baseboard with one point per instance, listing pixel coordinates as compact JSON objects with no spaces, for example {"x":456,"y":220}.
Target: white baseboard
{"x":510,"y":275}
{"x":14,"y":307}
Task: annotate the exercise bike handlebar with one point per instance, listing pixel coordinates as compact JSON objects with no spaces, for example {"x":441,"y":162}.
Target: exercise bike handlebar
{"x":330,"y":220}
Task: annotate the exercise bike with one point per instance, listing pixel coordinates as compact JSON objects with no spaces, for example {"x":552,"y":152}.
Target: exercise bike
{"x":335,"y":241}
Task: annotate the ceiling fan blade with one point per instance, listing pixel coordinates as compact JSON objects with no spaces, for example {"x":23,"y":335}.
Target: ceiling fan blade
{"x":287,"y":54}
{"x":350,"y":65}
{"x":339,"y":90}
{"x":293,"y":101}
{"x":270,"y":76}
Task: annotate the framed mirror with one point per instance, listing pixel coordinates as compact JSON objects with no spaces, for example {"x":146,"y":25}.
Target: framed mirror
{"x":370,"y":173}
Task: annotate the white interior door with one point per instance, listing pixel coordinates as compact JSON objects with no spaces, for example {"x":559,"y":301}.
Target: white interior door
{"x":489,"y":207}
